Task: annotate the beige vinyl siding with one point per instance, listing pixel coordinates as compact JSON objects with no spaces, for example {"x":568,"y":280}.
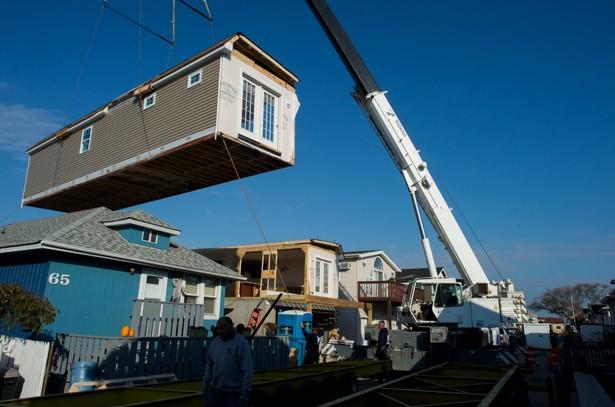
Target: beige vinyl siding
{"x":123,"y":133}
{"x":41,"y":169}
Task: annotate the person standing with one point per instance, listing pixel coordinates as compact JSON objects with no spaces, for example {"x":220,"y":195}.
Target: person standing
{"x":383,"y":341}
{"x":227,"y":381}
{"x":382,"y":349}
{"x":311,"y":346}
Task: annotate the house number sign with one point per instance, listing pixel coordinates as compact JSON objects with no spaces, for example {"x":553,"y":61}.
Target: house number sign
{"x":57,"y":278}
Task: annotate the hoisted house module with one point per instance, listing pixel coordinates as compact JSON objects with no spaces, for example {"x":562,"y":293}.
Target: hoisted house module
{"x":230,"y":106}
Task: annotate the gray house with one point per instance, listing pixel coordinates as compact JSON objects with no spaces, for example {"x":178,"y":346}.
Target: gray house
{"x":104,"y":270}
{"x":229,"y":107}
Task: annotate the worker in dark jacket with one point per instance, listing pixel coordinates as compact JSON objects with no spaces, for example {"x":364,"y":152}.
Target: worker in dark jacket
{"x":311,"y":346}
{"x":383,"y":341}
{"x":382,"y":349}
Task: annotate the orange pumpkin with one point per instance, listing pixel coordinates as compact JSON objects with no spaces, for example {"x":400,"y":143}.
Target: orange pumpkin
{"x":125,"y":331}
{"x":131,"y":332}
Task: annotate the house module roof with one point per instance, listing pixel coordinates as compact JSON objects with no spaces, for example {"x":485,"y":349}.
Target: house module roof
{"x":85,"y":233}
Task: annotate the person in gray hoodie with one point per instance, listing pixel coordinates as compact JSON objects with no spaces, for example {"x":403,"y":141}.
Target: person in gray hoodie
{"x":227,"y":381}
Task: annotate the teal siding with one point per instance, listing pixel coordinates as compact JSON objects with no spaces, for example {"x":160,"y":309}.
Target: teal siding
{"x":31,"y":277}
{"x":97,"y":299}
{"x":94,"y":296}
{"x":134,"y":234}
{"x":129,"y":233}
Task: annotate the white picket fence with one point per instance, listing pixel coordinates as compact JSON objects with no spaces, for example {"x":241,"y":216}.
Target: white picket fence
{"x":29,"y":358}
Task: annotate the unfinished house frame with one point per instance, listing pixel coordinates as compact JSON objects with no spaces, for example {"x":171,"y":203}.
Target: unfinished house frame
{"x":229,"y":107}
{"x":305,"y":271}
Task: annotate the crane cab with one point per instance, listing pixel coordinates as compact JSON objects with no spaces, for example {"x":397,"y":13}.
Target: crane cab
{"x":426,"y":299}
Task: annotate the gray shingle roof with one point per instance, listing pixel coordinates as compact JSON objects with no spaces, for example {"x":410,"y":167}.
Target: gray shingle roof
{"x":143,"y":216}
{"x":84,"y":233}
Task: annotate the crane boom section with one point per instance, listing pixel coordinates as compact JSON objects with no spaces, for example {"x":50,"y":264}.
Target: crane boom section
{"x":406,"y":156}
{"x":417,"y":177}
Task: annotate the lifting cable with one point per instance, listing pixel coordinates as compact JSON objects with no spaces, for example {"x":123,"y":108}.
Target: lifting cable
{"x":470,"y":227}
{"x":74,"y":94}
{"x":359,"y":101}
{"x":139,"y":59}
{"x":140,"y":52}
{"x":137,"y":23}
{"x":258,"y":223}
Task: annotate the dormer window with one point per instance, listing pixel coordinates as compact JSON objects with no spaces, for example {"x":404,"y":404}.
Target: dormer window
{"x":150,"y":236}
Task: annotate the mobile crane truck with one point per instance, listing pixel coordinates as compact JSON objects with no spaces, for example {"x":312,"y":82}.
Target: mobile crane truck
{"x":438,"y":303}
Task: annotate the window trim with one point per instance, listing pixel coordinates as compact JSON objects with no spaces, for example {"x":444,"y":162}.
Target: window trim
{"x":89,"y":140}
{"x":197,"y":72}
{"x":259,"y":115}
{"x":151,"y":97}
{"x":377,"y":272}
{"x":202,"y":295}
{"x":322,"y":276}
{"x":151,"y":233}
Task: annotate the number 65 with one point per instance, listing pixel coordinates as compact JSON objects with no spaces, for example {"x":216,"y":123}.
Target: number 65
{"x":63,"y":279}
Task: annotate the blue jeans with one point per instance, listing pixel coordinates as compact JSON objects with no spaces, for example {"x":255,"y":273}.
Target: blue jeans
{"x":217,"y":398}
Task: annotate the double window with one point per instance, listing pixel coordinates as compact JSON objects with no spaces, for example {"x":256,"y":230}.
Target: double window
{"x":259,"y":111}
{"x":150,"y":236}
{"x":86,"y":140}
{"x":200,"y":290}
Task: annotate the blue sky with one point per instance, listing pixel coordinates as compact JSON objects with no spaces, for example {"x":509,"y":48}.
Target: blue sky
{"x":510,"y":102}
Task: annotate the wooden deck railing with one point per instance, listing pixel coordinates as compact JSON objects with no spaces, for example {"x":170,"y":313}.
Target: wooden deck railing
{"x":157,"y":318}
{"x":380,"y":291}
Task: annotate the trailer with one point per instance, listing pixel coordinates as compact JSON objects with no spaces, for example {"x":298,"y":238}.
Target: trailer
{"x":306,"y":385}
{"x":446,"y":384}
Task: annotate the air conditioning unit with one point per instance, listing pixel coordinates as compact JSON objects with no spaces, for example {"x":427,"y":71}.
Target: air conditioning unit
{"x":344,"y":265}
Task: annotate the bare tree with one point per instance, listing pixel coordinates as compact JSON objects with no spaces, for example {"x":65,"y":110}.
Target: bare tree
{"x":568,"y":301}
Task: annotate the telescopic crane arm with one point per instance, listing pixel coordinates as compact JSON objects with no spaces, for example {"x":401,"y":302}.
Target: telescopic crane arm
{"x":420,"y":184}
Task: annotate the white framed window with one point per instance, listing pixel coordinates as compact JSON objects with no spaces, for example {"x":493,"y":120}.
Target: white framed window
{"x":321,"y":277}
{"x":377,"y":273}
{"x":86,"y":140}
{"x":200,"y":290}
{"x":270,"y":103}
{"x":259,"y":111}
{"x":191,"y":289}
{"x":209,"y":295}
{"x":150,"y":236}
{"x":195,"y":78}
{"x":149,"y":101}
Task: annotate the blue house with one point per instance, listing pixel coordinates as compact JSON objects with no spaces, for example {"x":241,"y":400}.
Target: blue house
{"x":104,"y":270}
